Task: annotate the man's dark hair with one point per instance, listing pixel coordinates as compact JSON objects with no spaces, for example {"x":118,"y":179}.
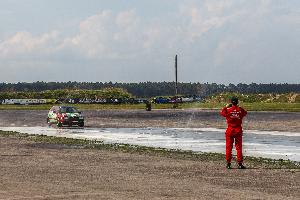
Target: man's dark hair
{"x":234,"y":101}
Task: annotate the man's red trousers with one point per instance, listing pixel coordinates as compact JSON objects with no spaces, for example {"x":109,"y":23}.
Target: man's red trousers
{"x":234,"y":134}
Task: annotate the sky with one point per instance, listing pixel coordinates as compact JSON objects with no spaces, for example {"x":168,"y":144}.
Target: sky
{"x":217,"y":41}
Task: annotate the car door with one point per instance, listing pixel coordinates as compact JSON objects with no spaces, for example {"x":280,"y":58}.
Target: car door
{"x":52,"y":115}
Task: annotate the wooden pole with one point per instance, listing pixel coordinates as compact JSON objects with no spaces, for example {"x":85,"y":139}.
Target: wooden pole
{"x":176,"y":88}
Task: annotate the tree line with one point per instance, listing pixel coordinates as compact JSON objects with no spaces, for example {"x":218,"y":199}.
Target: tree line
{"x":152,"y":89}
{"x":60,"y":94}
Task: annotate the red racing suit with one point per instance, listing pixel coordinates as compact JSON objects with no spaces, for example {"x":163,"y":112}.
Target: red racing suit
{"x":234,"y":132}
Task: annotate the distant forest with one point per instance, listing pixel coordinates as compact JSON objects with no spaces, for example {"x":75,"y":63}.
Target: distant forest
{"x":152,"y":89}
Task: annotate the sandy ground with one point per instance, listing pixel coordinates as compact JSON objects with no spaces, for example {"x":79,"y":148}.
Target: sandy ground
{"x":31,"y":170}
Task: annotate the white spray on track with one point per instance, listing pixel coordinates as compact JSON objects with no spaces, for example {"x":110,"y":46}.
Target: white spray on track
{"x":268,"y":144}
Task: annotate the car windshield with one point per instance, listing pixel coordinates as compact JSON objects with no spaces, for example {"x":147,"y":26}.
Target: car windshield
{"x":68,"y":110}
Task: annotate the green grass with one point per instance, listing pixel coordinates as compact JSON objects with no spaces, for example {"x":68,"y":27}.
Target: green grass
{"x":290,"y":107}
{"x":25,"y":107}
{"x":87,"y":106}
{"x":251,"y":162}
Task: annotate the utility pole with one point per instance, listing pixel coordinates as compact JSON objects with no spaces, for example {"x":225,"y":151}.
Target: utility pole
{"x":175,"y":105}
{"x":176,"y":88}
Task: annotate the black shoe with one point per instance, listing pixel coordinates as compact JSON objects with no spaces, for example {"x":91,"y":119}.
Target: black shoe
{"x":228,"y":166}
{"x":241,"y":166}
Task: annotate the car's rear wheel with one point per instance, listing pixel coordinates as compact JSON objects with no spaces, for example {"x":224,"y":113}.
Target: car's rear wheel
{"x":81,"y":124}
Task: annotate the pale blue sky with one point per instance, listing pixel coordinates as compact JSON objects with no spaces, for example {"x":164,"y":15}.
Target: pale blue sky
{"x":222,"y":41}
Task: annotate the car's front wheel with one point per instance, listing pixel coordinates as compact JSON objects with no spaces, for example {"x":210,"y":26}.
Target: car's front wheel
{"x":59,"y":124}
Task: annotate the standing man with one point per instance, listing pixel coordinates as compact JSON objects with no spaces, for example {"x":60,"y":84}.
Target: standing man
{"x":234,"y":132}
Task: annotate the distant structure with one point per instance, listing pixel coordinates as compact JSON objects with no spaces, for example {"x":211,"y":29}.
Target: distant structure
{"x":176,"y":88}
{"x":175,"y":105}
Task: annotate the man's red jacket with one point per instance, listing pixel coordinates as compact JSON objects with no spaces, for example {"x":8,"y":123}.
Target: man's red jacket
{"x":234,"y":115}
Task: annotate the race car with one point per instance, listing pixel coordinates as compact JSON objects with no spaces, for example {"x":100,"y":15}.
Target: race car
{"x":65,"y":116}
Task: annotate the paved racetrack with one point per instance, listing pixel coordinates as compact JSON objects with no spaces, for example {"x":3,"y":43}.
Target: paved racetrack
{"x":191,"y":118}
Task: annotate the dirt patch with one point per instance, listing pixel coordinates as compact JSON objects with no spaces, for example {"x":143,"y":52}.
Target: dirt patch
{"x":71,"y":173}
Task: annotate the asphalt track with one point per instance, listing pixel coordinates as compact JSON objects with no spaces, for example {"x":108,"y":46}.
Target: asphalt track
{"x":267,"y":134}
{"x":267,"y":144}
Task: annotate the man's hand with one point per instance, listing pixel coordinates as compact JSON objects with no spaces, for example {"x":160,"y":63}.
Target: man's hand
{"x":228,"y":105}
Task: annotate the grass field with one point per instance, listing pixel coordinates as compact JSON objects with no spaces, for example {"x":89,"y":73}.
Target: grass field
{"x":289,"y":107}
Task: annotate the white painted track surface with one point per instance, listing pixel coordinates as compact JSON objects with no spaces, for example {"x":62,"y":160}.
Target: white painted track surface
{"x":267,"y":144}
